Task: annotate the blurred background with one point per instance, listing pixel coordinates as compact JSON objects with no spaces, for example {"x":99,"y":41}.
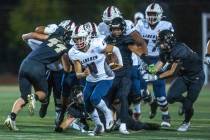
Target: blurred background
{"x":22,"y":16}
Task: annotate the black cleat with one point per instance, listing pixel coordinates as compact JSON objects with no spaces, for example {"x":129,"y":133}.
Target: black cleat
{"x":43,"y":110}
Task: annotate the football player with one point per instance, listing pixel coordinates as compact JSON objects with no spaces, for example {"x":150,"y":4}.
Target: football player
{"x":33,"y":72}
{"x":89,"y":53}
{"x":188,"y":68}
{"x":149,"y":31}
{"x":109,"y":14}
{"x":122,"y":82}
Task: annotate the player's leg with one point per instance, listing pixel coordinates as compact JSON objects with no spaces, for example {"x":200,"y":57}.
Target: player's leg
{"x":87,"y":92}
{"x":101,"y":90}
{"x":44,"y":106}
{"x":25,"y":90}
{"x":194,"y":89}
{"x":57,"y":78}
{"x":147,"y":98}
{"x":122,"y":94}
{"x":135,"y":94}
{"x":160,"y":95}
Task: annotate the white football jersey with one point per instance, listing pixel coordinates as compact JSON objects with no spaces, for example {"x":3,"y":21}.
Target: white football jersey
{"x":150,"y":35}
{"x":93,"y":59}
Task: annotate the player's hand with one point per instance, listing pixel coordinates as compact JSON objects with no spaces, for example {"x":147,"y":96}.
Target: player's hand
{"x":152,"y":69}
{"x":86,"y":72}
{"x":207,"y":60}
{"x":150,"y":77}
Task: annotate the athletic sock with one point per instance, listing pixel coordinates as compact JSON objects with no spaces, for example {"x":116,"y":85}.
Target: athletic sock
{"x":103,"y":107}
{"x":95,"y":118}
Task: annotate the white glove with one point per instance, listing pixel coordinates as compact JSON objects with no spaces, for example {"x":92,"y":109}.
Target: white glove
{"x":150,"y":77}
{"x":207,"y":60}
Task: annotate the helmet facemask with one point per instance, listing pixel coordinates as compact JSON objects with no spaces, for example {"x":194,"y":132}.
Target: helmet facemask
{"x":153,"y":13}
{"x":80,"y":37}
{"x":165,"y":40}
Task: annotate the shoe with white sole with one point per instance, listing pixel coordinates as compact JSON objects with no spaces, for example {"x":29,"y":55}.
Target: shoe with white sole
{"x":165,"y":121}
{"x":184,"y":127}
{"x":123,"y":129}
{"x":31,"y":103}
{"x":9,"y":123}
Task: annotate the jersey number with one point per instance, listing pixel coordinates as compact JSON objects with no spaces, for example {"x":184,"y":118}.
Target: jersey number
{"x":92,"y":67}
{"x":59,"y":47}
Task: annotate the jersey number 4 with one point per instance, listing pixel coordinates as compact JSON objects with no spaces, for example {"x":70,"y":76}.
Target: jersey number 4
{"x":56,"y":44}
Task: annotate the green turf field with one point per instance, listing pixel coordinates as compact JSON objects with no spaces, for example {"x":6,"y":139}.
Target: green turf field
{"x":35,"y":128}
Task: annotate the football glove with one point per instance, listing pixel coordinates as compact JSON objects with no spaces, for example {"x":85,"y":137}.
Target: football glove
{"x":149,"y":77}
{"x":152,"y":69}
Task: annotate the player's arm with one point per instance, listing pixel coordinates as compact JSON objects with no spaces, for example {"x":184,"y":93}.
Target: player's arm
{"x":139,"y":40}
{"x":172,"y":71}
{"x":65,"y":62}
{"x":40,"y":29}
{"x":34,"y":35}
{"x":138,"y":51}
{"x":78,"y":69}
{"x":113,"y":49}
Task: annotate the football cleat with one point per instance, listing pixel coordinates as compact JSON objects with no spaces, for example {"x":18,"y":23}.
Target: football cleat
{"x":165,"y":121}
{"x":43,"y":110}
{"x":184,"y":127}
{"x":31,"y":103}
{"x":99,"y":128}
{"x":9,"y":123}
{"x":123,"y":129}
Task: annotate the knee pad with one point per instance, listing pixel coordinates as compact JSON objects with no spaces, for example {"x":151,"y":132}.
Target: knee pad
{"x":162,"y":102}
{"x":146,"y":96}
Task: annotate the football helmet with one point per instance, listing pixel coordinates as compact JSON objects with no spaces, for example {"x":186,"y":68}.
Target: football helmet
{"x":68,"y":25}
{"x":118,"y":22}
{"x":80,"y":37}
{"x":110,"y":13}
{"x":153,"y":13}
{"x":165,"y":39}
{"x":138,"y":16}
{"x":92,"y":29}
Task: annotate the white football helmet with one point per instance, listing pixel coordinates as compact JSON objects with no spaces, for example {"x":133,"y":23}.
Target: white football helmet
{"x":153,"y":13}
{"x":92,"y":29}
{"x":69,"y":25}
{"x":138,"y":16}
{"x":80,"y":37}
{"x":110,"y":13}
